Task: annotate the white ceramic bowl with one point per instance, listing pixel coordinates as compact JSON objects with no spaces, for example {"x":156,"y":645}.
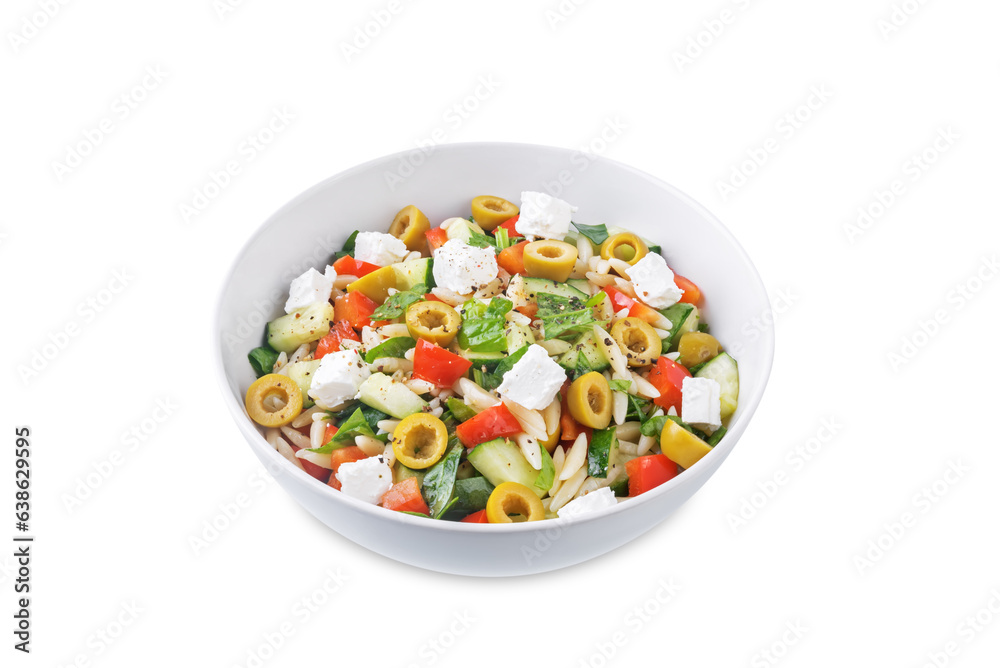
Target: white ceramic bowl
{"x":305,"y":232}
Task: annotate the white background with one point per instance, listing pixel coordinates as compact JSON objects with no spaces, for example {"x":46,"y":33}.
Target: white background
{"x":606,"y":78}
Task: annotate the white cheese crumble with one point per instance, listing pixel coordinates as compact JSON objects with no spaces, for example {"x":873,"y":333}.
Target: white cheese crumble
{"x":462,"y":268}
{"x":338,"y":378}
{"x":379,"y":248}
{"x":543,"y":216}
{"x":654,"y":282}
{"x":309,"y":288}
{"x":534,"y":379}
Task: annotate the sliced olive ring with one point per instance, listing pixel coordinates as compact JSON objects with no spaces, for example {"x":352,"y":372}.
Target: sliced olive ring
{"x":419,"y":441}
{"x":550,"y":259}
{"x":625,"y":246}
{"x":513,"y":498}
{"x":590,"y":401}
{"x":434,"y":321}
{"x":697,"y":347}
{"x":489,"y":212}
{"x":409,"y":226}
{"x":273,"y":400}
{"x":637,"y":340}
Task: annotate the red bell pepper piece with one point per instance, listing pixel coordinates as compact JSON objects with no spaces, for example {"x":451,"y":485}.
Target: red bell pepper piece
{"x":512,"y":258}
{"x":436,"y":238}
{"x":348,"y":266}
{"x":405,"y":497}
{"x":478,"y":517}
{"x":330,"y":343}
{"x":692,"y":293}
{"x":636,"y":309}
{"x":315,"y":470}
{"x":356,"y":308}
{"x":668,"y":376}
{"x":494,"y":422}
{"x":645,"y":473}
{"x":509,"y":226}
{"x":437,"y":365}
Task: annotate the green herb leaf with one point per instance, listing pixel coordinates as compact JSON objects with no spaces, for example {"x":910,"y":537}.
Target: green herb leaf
{"x":356,"y":425}
{"x":654,"y":426}
{"x":482,"y":241}
{"x":503,"y":238}
{"x":394,"y":347}
{"x":596,"y":299}
{"x":716,"y":436}
{"x":483,"y":326}
{"x":703,"y":327}
{"x":596,"y":233}
{"x":472,"y":494}
{"x":547,"y":475}
{"x":396,"y":305}
{"x":603,"y":445}
{"x":637,"y":408}
{"x":562,"y":315}
{"x":446,"y":508}
{"x":460,"y":410}
{"x":348,"y":248}
{"x":620,"y":385}
{"x":439,"y":483}
{"x":413,"y":512}
{"x":655,"y":249}
{"x":262,"y":360}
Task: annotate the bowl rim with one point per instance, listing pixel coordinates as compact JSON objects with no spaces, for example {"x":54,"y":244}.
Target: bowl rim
{"x":259,"y":444}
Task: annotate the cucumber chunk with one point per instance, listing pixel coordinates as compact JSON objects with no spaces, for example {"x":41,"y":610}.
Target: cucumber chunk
{"x":602,"y":453}
{"x":309,"y":323}
{"x":382,"y":392}
{"x":302,"y":374}
{"x":413,"y":273}
{"x":533,"y":286}
{"x":472,"y":494}
{"x":463,"y":229}
{"x":722,"y":369}
{"x":585,"y":356}
{"x":501,"y":461}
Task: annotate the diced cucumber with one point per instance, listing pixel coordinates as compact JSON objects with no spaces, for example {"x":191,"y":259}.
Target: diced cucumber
{"x":479,"y":360}
{"x":581,"y":284}
{"x":401,"y":473}
{"x":689,"y":324}
{"x":603,"y":452}
{"x":585,"y":356}
{"x":722,"y":368}
{"x":620,"y":486}
{"x":309,"y":323}
{"x":676,"y":314}
{"x":389,"y":396}
{"x":501,"y":461}
{"x":414,"y":272}
{"x":463,"y":229}
{"x":472,"y":494}
{"x":302,"y":374}
{"x":533,"y":286}
{"x":518,"y":336}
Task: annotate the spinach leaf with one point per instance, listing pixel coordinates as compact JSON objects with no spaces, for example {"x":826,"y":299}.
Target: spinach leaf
{"x":396,"y":305}
{"x":562,"y":315}
{"x":356,"y":425}
{"x":596,"y":233}
{"x":716,"y":436}
{"x":620,"y":385}
{"x":439,"y":483}
{"x":637,"y":408}
{"x":262,"y":360}
{"x":472,"y":494}
{"x":394,"y":347}
{"x":547,"y":475}
{"x":483,"y":326}
{"x":348,"y":248}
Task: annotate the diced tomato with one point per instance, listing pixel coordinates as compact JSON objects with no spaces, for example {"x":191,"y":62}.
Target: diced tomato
{"x":341,"y":331}
{"x":437,"y":365}
{"x":645,"y":473}
{"x":692,"y":294}
{"x":331,"y":429}
{"x":620,"y":300}
{"x":478,"y":517}
{"x":570,"y":428}
{"x":431,"y":297}
{"x":529,"y":309}
{"x":494,"y":422}
{"x":509,"y":226}
{"x":436,"y":238}
{"x":668,"y":376}
{"x":405,"y":497}
{"x":315,"y":470}
{"x":348,"y":266}
{"x":343,"y":456}
{"x":356,"y":308}
{"x":512,"y":258}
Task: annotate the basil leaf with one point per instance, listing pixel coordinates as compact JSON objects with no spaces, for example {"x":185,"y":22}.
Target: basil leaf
{"x":620,"y":385}
{"x":348,"y":248}
{"x":483,"y":326}
{"x":447,"y":507}
{"x":262,"y":360}
{"x":491,"y":381}
{"x":637,"y":408}
{"x":598,"y":234}
{"x":472,"y":494}
{"x":547,"y":475}
{"x":356,"y":425}
{"x":396,"y":305}
{"x":439,"y":483}
{"x":460,"y":410}
{"x":654,"y":426}
{"x":561,"y":315}
{"x":394,"y":347}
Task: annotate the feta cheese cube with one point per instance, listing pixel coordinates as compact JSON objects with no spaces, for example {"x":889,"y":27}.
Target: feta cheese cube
{"x":379,"y":248}
{"x":654,"y":282}
{"x":309,"y":288}
{"x":591,"y":502}
{"x":366,"y":479}
{"x":338,"y":378}
{"x":543,"y":216}
{"x":700,"y":403}
{"x":462,"y":268}
{"x":534,"y":379}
